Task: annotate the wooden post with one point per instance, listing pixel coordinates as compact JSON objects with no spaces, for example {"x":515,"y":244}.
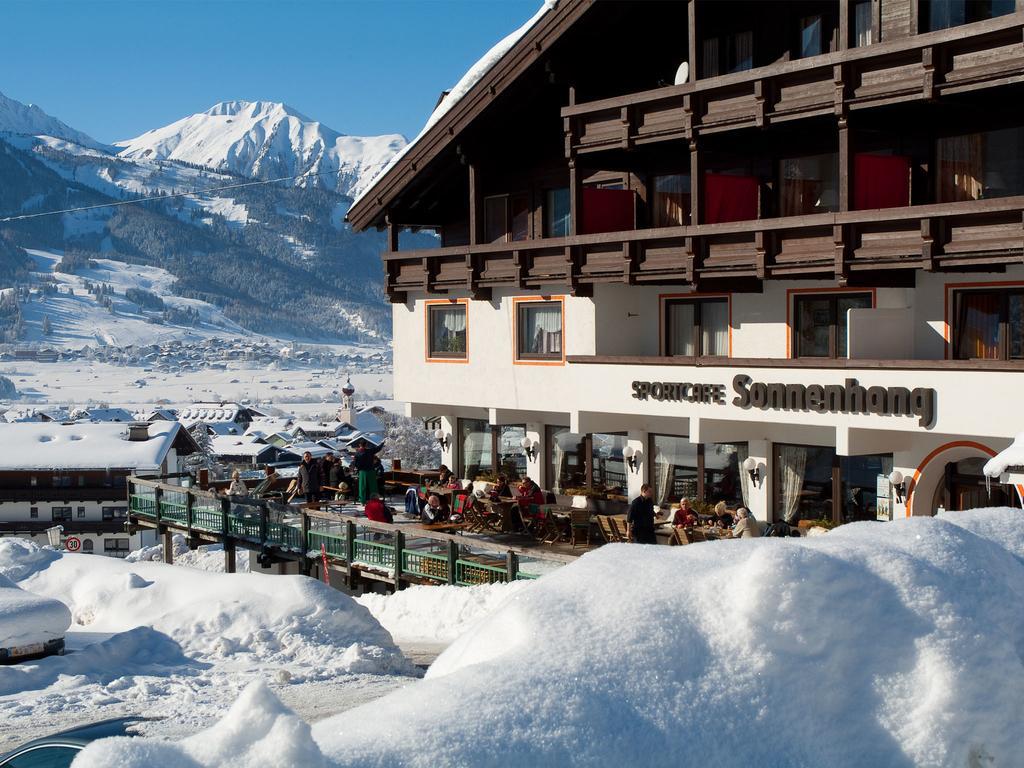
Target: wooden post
{"x":225,"y":516}
{"x":696,"y":183}
{"x":168,"y":546}
{"x":511,"y":566}
{"x":350,"y":550}
{"x":575,"y":198}
{"x":588,"y":458}
{"x":845,"y":166}
{"x":399,"y":546}
{"x":691,"y":36}
{"x":305,"y":566}
{"x":392,"y":235}
{"x":158,"y":496}
{"x":263,"y":525}
{"x":453,"y":556}
{"x":837,"y":490}
{"x":475,"y":205}
{"x":188,"y":512}
{"x":229,"y":555}
{"x":844,"y":26}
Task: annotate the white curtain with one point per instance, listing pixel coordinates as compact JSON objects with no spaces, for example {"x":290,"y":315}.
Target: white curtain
{"x":544,"y":330}
{"x":714,"y":328}
{"x":664,"y":465}
{"x":454,"y":320}
{"x":681,"y":329}
{"x":792,"y":464}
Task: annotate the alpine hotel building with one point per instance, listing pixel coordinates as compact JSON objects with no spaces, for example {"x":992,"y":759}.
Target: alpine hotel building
{"x":772,"y":276}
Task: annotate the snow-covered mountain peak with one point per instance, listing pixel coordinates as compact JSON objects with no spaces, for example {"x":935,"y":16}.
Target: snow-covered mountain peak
{"x":30,"y":120}
{"x":266,"y":139}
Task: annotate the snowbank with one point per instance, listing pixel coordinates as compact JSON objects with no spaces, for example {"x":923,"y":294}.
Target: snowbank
{"x":296,"y":621}
{"x":1001,"y":525}
{"x":26,"y":618}
{"x":258,"y":731}
{"x":437,"y":614}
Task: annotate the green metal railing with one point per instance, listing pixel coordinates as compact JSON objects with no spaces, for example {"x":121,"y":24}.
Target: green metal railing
{"x":395,"y":554}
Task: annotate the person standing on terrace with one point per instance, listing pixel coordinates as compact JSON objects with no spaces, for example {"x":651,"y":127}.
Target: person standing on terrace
{"x":363,"y":464}
{"x":640,"y":518}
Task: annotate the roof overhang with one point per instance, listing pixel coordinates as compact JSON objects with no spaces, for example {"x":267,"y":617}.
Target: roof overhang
{"x":371,"y":207}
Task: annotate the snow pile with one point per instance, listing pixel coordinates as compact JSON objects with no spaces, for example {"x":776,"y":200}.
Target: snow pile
{"x":438,"y":614}
{"x":1001,"y":525}
{"x":26,"y":618}
{"x":460,"y":89}
{"x":273,"y":621}
{"x":209,"y":557}
{"x":1011,"y":456}
{"x":258,"y":731}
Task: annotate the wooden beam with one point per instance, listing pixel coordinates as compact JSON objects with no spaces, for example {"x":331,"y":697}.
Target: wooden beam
{"x":844,"y":26}
{"x":696,"y":183}
{"x":575,"y":197}
{"x":691,"y":36}
{"x":845,"y":166}
{"x":475,"y":206}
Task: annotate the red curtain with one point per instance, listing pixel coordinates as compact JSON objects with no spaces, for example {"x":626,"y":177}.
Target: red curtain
{"x":607,"y":210}
{"x":880,"y":181}
{"x":729,"y":198}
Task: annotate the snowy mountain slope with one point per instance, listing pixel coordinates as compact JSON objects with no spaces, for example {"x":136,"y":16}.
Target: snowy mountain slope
{"x":77,"y":319}
{"x":28,"y":119}
{"x":264,"y":139}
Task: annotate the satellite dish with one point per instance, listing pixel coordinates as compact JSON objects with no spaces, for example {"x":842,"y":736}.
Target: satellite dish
{"x":683,"y":73}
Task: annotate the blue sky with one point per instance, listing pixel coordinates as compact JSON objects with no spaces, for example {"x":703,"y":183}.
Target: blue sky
{"x":116,"y":68}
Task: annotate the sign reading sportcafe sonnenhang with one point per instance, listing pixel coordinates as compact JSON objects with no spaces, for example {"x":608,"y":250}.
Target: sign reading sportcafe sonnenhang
{"x":848,"y":397}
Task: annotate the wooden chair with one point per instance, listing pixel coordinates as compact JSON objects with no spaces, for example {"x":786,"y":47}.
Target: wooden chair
{"x":679,"y":537}
{"x":552,"y":527}
{"x":619,"y":528}
{"x":579,"y":526}
{"x":604,"y":526}
{"x":490,"y":516}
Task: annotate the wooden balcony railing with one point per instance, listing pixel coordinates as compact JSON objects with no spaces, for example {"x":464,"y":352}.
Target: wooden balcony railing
{"x":932,"y":237}
{"x":923,"y":67}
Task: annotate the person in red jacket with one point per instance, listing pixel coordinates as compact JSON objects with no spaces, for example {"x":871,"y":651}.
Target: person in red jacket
{"x":376,"y":510}
{"x":530,"y":493}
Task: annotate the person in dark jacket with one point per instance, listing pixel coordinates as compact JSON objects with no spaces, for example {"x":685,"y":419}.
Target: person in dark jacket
{"x":338,"y":477}
{"x":309,"y":479}
{"x":325,"y":469}
{"x":501,"y":489}
{"x":640,"y":518}
{"x":363,"y":464}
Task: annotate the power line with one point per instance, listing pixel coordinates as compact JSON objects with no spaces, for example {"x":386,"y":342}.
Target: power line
{"x":193,"y":193}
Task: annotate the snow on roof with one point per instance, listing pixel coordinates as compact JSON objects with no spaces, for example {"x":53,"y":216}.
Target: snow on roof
{"x":268,"y":425}
{"x":331,"y":427}
{"x":209,"y":412}
{"x":106,"y":414}
{"x":83,"y":445}
{"x":1012,"y":456}
{"x":459,"y":90}
{"x":237,"y":446}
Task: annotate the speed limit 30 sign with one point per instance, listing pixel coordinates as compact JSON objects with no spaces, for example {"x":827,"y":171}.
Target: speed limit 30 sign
{"x":72,"y":543}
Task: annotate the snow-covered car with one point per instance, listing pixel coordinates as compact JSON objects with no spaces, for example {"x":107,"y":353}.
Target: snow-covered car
{"x":30,"y":625}
{"x":60,"y":749}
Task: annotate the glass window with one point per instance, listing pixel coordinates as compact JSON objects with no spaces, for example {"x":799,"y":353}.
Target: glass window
{"x":474,"y":448}
{"x":87,"y":545}
{"x":803,"y":482}
{"x":60,"y":514}
{"x":568,"y":465}
{"x":810,"y":36}
{"x":33,"y":512}
{"x":863,"y":24}
{"x":942,"y":14}
{"x":447,"y":330}
{"x":988,"y":325}
{"x":697,"y":327}
{"x":710,"y":60}
{"x":609,"y":467}
{"x":115,"y":547}
{"x":724,"y":478}
{"x":980,"y":165}
{"x":511,"y":458}
{"x":557,"y":213}
{"x":809,"y":184}
{"x":496,"y":219}
{"x":670,"y":200}
{"x":741,"y":52}
{"x":539,"y":330}
{"x":520,"y":205}
{"x":859,"y":478}
{"x":674,"y":475}
{"x":80,"y":512}
{"x":821,"y":323}
{"x":115,"y":513}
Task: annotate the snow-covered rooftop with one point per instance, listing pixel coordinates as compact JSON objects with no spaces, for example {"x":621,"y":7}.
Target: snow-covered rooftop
{"x":237,"y":446}
{"x":83,"y":445}
{"x":1011,"y":456}
{"x":209,"y":412}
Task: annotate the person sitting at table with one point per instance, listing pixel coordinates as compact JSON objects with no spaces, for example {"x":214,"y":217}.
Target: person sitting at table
{"x":237,"y":487}
{"x":501,"y":489}
{"x":435,"y":510}
{"x":684,"y":517}
{"x":640,"y":518}
{"x":747,"y":526}
{"x":529,"y":493}
{"x":376,"y":510}
{"x":723,"y":518}
{"x":444,"y":477}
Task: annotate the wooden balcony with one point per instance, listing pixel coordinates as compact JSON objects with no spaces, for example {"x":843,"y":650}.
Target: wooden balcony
{"x":933,"y":237}
{"x":923,"y":67}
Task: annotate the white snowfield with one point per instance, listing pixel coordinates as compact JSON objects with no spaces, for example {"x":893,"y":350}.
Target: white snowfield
{"x":26,"y":618}
{"x":29,"y":119}
{"x":179,"y":643}
{"x":76,"y":318}
{"x":876,"y":645}
{"x":265,"y":139}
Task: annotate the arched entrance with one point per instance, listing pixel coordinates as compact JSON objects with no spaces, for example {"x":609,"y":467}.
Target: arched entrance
{"x":950,"y":477}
